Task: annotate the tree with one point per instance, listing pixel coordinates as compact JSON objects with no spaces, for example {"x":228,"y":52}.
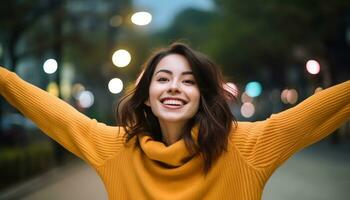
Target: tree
{"x":268,"y":34}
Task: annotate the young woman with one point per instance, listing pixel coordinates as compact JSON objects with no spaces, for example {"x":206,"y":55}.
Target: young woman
{"x":177,"y":138}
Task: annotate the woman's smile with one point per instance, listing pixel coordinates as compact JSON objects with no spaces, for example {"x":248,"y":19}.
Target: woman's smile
{"x":173,"y":103}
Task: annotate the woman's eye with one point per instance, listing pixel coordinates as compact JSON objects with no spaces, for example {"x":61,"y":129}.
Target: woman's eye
{"x":162,"y":79}
{"x":191,"y":82}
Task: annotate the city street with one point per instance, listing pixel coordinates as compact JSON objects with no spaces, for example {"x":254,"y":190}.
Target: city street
{"x":320,"y":172}
{"x":72,"y":73}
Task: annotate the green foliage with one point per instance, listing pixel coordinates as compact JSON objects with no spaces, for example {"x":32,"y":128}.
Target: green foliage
{"x":20,"y":163}
{"x":260,"y":39}
{"x":266,"y":33}
{"x":190,"y":25}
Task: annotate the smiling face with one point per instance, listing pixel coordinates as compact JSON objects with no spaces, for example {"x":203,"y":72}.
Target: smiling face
{"x":173,"y":94}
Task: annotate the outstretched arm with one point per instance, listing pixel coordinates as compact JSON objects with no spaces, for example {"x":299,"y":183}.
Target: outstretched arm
{"x":269,"y":143}
{"x":92,"y":141}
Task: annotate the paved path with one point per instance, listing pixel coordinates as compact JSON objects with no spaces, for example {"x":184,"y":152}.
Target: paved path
{"x":80,"y":182}
{"x":321,"y":172}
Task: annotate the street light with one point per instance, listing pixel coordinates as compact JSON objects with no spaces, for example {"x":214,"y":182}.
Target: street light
{"x":141,"y":18}
{"x":85,"y":99}
{"x":253,"y":89}
{"x":121,"y":58}
{"x":115,"y":85}
{"x":313,"y":67}
{"x":289,"y":96}
{"x":245,"y":98}
{"x":77,"y":89}
{"x":50,"y":66}
{"x":247,"y":110}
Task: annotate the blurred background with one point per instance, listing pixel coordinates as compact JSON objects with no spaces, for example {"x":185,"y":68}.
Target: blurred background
{"x":274,"y":54}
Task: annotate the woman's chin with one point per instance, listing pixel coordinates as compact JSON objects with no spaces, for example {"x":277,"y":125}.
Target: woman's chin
{"x":173,"y":119}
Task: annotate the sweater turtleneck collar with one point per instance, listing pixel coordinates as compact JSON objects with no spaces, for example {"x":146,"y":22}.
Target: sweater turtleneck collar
{"x":174,"y":155}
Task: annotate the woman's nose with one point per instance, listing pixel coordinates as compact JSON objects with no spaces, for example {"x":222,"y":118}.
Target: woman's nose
{"x":174,"y":87}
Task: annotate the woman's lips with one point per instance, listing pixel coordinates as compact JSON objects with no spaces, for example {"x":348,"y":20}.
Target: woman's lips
{"x":172,"y":107}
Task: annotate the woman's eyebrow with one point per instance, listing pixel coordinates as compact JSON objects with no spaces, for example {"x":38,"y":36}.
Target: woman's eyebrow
{"x":170,"y":72}
{"x":164,"y":70}
{"x":187,"y":72}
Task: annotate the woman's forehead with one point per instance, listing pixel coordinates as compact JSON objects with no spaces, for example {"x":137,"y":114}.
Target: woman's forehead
{"x":173,"y":63}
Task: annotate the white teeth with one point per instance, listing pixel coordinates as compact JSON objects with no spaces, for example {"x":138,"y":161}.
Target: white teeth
{"x":173,"y":102}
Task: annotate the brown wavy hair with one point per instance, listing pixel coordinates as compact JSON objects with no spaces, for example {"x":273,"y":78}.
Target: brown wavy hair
{"x":214,"y":118}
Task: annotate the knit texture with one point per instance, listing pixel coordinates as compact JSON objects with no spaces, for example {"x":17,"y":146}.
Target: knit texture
{"x":145,"y":168}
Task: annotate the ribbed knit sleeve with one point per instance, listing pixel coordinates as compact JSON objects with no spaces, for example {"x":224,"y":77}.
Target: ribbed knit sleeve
{"x":90,"y":140}
{"x":267,"y":144}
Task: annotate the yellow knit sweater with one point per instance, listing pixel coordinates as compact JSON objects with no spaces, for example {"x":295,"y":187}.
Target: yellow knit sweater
{"x":255,"y":149}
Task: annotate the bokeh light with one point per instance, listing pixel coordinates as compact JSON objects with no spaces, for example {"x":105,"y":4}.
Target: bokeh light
{"x":121,"y":58}
{"x":318,"y":89}
{"x":313,"y":67}
{"x":141,"y":18}
{"x":77,"y":89}
{"x":292,"y":96}
{"x":116,"y":21}
{"x":67,"y":77}
{"x":50,"y":66}
{"x":115,"y":85}
{"x":52,"y":88}
{"x":247,"y":110}
{"x":289,"y":96}
{"x":253,"y":89}
{"x":245,"y":98}
{"x":85,"y":99}
{"x":284,"y":95}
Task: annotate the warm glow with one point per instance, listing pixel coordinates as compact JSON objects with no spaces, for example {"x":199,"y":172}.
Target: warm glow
{"x":121,"y":58}
{"x":77,"y":89}
{"x":318,"y":89}
{"x":85,"y":99}
{"x":115,"y":85}
{"x":292,"y":96}
{"x":289,"y":96}
{"x":141,"y":18}
{"x":67,"y":76}
{"x":247,"y":110}
{"x":66,"y":90}
{"x":245,"y":98}
{"x":284,"y":95}
{"x":50,"y":66}
{"x":313,"y":67}
{"x":52,"y":88}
